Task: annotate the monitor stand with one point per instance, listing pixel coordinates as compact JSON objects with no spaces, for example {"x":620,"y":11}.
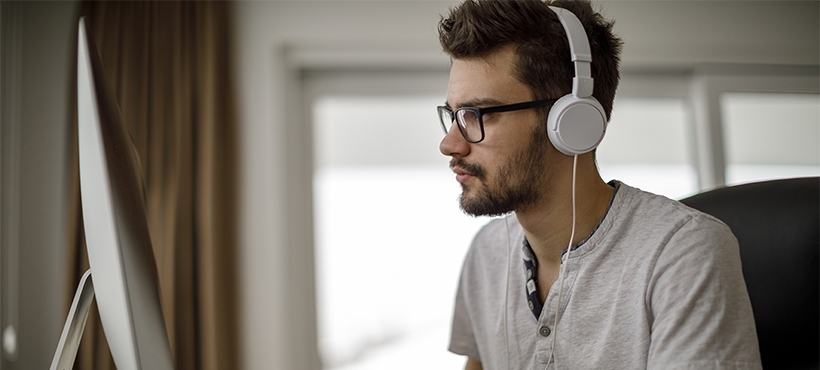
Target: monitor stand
{"x":74,"y":325}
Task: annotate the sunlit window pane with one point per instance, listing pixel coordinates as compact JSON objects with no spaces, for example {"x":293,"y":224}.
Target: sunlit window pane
{"x":769,"y":136}
{"x":390,"y":239}
{"x":646,"y":146}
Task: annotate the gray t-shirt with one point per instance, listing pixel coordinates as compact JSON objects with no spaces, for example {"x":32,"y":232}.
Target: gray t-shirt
{"x":657,"y":286}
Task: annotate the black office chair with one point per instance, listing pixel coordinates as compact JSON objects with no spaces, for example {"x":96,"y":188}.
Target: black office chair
{"x":777,"y":225}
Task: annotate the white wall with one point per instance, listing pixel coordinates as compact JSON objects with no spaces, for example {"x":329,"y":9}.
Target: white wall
{"x":685,"y":34}
{"x":277,"y":40}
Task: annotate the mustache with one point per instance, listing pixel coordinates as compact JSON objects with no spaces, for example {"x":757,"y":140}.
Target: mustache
{"x":471,"y":168}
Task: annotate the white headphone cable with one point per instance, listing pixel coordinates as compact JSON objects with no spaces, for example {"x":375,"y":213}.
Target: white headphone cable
{"x":507,"y":291}
{"x":565,"y":262}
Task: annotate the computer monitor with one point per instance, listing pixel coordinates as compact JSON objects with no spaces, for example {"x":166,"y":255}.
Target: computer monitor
{"x":123,"y":268}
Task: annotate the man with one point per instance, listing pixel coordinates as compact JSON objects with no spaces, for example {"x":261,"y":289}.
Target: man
{"x":647,"y":283}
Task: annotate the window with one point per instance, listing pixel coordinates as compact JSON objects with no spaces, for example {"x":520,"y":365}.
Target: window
{"x":646,"y":146}
{"x":769,"y":136}
{"x":390,"y":238}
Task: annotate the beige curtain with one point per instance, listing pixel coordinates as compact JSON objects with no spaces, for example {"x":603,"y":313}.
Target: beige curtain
{"x":168,"y":64}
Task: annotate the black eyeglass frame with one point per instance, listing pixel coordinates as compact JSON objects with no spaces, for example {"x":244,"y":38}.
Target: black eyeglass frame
{"x":480,"y":112}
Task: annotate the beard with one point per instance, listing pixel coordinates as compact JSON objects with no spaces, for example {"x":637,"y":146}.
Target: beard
{"x":516,"y":186}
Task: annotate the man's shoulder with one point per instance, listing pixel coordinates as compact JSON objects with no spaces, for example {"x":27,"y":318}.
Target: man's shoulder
{"x":666,"y":227}
{"x":653,"y":211}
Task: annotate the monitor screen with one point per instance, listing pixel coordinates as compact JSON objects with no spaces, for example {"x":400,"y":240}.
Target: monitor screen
{"x":123,"y":268}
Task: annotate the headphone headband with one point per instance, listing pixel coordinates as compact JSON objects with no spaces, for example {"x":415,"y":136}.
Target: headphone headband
{"x":582,"y":83}
{"x":576,"y":123}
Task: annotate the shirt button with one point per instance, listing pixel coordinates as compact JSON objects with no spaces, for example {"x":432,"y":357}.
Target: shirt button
{"x":532,"y":306}
{"x":544,"y":331}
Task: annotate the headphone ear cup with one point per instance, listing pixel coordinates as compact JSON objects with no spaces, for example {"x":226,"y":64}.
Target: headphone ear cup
{"x":576,"y":125}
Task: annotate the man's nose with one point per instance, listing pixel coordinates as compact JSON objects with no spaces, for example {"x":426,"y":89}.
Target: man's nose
{"x":453,"y":144}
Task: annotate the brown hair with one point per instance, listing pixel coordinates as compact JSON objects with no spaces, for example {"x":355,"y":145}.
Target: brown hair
{"x":477,"y":28}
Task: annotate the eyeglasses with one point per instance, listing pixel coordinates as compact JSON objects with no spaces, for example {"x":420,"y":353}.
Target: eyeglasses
{"x":471,"y":120}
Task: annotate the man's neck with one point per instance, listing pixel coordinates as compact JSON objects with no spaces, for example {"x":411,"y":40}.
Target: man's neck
{"x":549,"y":224}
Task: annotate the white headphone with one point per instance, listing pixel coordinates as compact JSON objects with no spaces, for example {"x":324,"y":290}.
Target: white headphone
{"x":576,"y":122}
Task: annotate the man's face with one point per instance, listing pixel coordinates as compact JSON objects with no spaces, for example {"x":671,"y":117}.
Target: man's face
{"x":506,"y":171}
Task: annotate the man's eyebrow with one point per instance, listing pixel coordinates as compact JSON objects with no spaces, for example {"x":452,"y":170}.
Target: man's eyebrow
{"x":477,"y":103}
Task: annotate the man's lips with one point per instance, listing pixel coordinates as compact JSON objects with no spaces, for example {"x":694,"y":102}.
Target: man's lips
{"x":465,"y":171}
{"x":461,"y":175}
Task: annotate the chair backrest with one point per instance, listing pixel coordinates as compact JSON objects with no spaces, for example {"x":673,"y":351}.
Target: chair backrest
{"x":777,"y":224}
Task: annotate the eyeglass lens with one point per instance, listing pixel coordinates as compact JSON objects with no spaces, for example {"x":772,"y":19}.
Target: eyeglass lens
{"x":467,"y":120}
